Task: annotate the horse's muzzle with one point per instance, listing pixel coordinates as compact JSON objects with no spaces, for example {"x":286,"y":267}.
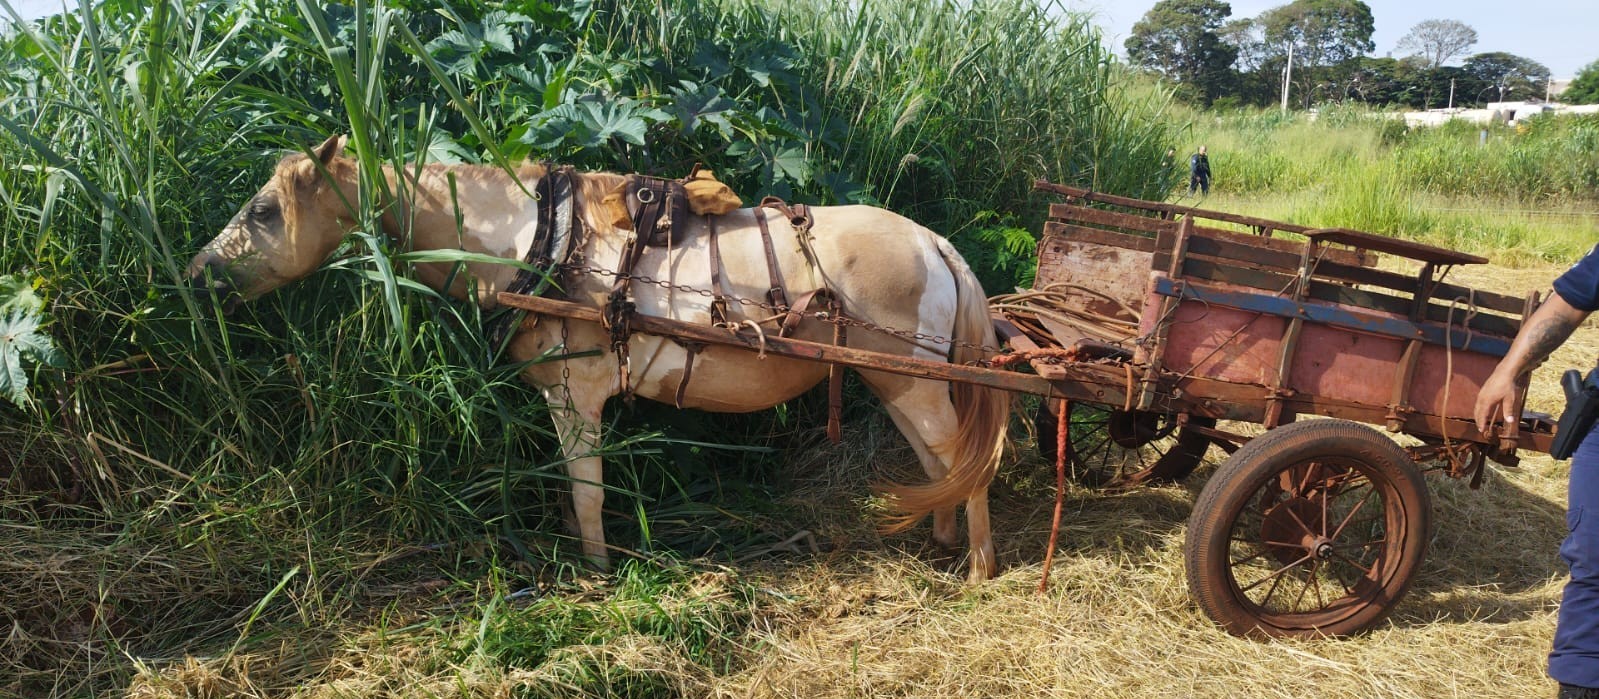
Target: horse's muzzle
{"x":208,"y":277}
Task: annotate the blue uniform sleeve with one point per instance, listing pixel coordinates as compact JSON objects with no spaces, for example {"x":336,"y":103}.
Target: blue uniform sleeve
{"x":1579,"y":286}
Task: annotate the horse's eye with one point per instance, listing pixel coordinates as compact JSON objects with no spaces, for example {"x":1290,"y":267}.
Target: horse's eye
{"x":262,"y":210}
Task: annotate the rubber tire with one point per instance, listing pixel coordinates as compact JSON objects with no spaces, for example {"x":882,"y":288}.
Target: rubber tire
{"x":1240,"y":479}
{"x":1176,"y":464}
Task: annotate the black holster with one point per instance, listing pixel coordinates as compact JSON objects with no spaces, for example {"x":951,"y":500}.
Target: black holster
{"x":1582,"y":406}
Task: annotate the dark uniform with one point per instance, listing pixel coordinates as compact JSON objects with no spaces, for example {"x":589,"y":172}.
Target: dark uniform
{"x":1575,"y":657}
{"x":1199,"y":173}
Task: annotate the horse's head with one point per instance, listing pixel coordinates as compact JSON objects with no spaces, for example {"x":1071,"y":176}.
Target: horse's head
{"x":283,"y":233}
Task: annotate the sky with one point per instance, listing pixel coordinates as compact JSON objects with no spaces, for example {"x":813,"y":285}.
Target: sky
{"x":1556,"y":33}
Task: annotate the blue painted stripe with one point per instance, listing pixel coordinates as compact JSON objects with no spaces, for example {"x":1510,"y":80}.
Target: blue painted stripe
{"x":1337,"y":316}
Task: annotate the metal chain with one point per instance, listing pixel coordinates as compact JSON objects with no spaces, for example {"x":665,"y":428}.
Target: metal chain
{"x":566,"y":368}
{"x":824,"y":316}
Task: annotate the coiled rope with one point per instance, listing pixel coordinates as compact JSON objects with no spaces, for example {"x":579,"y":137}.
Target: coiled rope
{"x":1061,"y":303}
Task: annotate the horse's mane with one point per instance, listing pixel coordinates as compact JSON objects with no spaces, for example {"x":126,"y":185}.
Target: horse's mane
{"x":592,"y":187}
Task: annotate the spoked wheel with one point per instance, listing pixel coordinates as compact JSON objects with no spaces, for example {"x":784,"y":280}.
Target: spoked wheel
{"x":1118,"y":448}
{"x":1313,"y":529}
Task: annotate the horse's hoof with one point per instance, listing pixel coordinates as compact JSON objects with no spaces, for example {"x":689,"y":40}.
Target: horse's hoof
{"x":976,"y":575}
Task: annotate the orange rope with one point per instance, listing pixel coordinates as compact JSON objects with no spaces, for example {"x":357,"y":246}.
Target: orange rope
{"x":1060,"y":492}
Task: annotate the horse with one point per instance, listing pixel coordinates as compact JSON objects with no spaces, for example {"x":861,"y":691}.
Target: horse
{"x":885,"y":269}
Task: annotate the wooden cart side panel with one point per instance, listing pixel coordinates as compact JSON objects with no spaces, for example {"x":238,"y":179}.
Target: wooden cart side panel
{"x":1197,"y":266}
{"x":1114,"y":270}
{"x":1082,"y":215}
{"x":1209,"y":340}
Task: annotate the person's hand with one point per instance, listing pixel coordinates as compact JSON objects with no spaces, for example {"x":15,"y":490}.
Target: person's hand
{"x":1540,"y":334}
{"x":1496,"y":401}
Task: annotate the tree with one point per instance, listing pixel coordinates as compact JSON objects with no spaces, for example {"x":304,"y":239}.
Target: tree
{"x":1323,"y":33}
{"x":1505,"y":77}
{"x":1178,"y":39}
{"x":1438,"y":40}
{"x":1585,"y":88}
{"x":1255,"y":77}
{"x":1244,"y":35}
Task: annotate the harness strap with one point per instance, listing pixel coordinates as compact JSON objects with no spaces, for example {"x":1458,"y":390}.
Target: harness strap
{"x":796,"y":313}
{"x":799,"y":218}
{"x":555,"y":218}
{"x":775,"y":295}
{"x":835,"y":371}
{"x":648,"y":205}
{"x":718,"y":293}
{"x":835,"y":376}
{"x":690,"y":350}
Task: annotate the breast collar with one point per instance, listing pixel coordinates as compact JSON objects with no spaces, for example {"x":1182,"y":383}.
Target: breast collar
{"x":555,"y":217}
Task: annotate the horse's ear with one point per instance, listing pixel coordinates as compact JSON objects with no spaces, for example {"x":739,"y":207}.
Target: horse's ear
{"x":330,"y":149}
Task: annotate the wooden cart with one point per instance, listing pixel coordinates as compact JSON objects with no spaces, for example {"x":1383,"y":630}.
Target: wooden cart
{"x":1310,"y":527}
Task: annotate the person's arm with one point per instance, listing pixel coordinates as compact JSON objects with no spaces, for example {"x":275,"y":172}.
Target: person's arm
{"x":1548,"y":327}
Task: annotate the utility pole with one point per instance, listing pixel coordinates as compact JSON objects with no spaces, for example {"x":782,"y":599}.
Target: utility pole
{"x":1451,"y":93}
{"x":1288,"y":75}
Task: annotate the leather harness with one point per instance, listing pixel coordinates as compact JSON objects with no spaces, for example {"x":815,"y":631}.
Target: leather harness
{"x":555,"y":219}
{"x":659,"y":211}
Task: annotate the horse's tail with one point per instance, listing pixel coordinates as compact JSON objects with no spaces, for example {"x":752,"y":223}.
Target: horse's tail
{"x":984,"y":413}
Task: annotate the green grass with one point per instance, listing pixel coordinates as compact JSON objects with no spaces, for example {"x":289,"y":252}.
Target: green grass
{"x":1519,"y":194}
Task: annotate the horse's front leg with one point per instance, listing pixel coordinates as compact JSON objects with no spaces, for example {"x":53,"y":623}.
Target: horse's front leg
{"x":577,"y":424}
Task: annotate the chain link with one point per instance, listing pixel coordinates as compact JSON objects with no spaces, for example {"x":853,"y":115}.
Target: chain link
{"x":824,"y":316}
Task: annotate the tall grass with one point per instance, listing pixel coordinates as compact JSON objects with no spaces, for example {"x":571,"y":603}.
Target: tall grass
{"x":1515,"y":193}
{"x":202,"y":482}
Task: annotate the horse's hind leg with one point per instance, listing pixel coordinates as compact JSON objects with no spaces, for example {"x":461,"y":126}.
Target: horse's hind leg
{"x":943,"y":519}
{"x":924,"y":413}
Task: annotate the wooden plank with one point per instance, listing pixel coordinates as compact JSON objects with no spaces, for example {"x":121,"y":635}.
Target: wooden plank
{"x":1069,"y":214}
{"x":1114,"y":264}
{"x":1172,"y":210}
{"x":1276,"y":283}
{"x":1099,"y":236}
{"x":1235,"y":401}
{"x":1259,"y":255}
{"x":1013,"y":336}
{"x":1281,"y":283}
{"x":1100,"y":217}
{"x":1335,"y":315}
{"x":1400,"y":282}
{"x":1395,"y":246}
{"x":1292,"y":247}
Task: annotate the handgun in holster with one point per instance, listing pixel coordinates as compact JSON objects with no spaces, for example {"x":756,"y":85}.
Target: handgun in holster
{"x":1582,"y":406}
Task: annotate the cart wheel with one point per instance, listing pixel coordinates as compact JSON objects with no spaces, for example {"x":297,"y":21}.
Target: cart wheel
{"x":1107,"y":447}
{"x":1312,"y":529}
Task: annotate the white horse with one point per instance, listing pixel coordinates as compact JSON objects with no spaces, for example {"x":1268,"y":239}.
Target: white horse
{"x":886,"y":270}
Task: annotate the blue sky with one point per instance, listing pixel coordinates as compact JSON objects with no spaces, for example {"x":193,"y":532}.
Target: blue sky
{"x":1557,"y":33}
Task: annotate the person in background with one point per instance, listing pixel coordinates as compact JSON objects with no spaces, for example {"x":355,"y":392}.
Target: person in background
{"x":1199,"y":172}
{"x":1574,"y":660}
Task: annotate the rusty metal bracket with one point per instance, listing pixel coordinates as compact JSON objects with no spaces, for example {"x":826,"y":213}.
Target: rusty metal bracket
{"x":1461,"y":459}
{"x":1397,"y":414}
{"x":1228,"y":441}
